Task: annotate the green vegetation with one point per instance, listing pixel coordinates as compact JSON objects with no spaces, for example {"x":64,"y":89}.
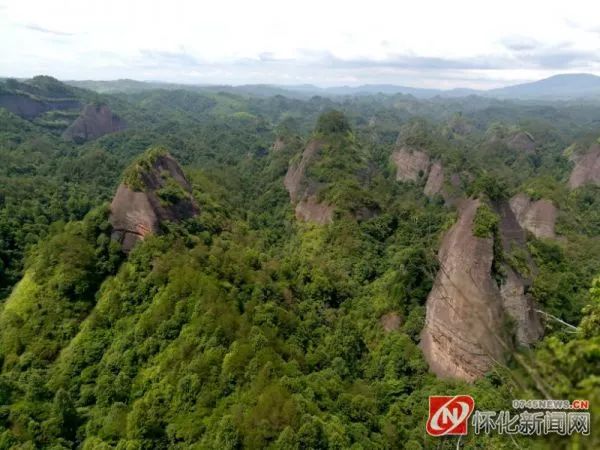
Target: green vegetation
{"x":485,"y":222}
{"x":244,"y":327}
{"x":132,"y":177}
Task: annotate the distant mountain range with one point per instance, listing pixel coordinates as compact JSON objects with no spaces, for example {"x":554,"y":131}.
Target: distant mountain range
{"x":558,"y":87}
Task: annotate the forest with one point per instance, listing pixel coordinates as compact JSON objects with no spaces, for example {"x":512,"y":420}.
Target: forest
{"x":285,"y":308}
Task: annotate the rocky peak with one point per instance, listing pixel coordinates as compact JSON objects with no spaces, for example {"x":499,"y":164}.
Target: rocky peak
{"x":95,"y":121}
{"x":154,"y":190}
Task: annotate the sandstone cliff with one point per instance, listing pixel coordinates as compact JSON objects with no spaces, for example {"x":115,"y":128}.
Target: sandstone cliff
{"x":587,"y":168}
{"x":465,"y":331}
{"x":303,"y":193}
{"x":538,"y":217}
{"x":93,"y":122}
{"x":30,"y":107}
{"x":517,"y":302}
{"x":462,"y":337}
{"x":154,"y":191}
{"x":435,"y":180}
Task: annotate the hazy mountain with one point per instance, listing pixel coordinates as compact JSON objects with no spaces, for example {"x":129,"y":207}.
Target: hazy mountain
{"x":558,"y":86}
{"x":564,"y":86}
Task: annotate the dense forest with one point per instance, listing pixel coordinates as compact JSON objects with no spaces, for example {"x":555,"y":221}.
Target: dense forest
{"x":284,"y":306}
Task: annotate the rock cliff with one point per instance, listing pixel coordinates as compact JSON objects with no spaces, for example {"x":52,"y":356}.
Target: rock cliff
{"x":93,"y":122}
{"x":538,"y":217}
{"x":154,"y":191}
{"x":465,"y":331}
{"x":587,"y":168}
{"x":30,"y":107}
{"x":517,"y":302}
{"x":303,"y":193}
{"x":435,"y":180}
{"x":411,"y":164}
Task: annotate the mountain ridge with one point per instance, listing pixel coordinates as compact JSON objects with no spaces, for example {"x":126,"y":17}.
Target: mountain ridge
{"x":561,"y":86}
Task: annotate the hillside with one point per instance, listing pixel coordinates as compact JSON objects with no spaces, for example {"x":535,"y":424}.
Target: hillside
{"x":238,"y":270}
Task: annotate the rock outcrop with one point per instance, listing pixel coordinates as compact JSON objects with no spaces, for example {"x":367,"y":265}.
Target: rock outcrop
{"x":537,"y":217}
{"x":435,"y":180}
{"x":155,"y":190}
{"x":29,"y":107}
{"x":517,"y":302}
{"x":411,"y":164}
{"x":93,"y":122}
{"x":309,"y":209}
{"x":463,"y":333}
{"x":587,"y":168}
{"x":303,"y":193}
{"x":416,"y":165}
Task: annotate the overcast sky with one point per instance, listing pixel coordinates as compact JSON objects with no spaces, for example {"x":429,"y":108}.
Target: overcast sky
{"x":421,"y":43}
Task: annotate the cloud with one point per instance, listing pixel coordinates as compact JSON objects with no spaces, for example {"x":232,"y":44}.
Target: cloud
{"x":519,"y":43}
{"x":564,"y":59}
{"x":159,"y":58}
{"x":47,"y":31}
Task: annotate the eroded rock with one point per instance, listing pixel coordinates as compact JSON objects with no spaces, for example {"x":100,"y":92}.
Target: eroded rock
{"x":310,"y":209}
{"x":294,"y":177}
{"x":93,"y":122}
{"x":411,"y":164}
{"x":463,"y":333}
{"x":587,"y":168}
{"x":537,"y":217}
{"x":435,"y":180}
{"x":161,"y":193}
{"x":303,"y":193}
{"x":517,"y":302}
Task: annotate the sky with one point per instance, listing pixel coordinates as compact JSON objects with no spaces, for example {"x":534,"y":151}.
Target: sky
{"x":420,"y":43}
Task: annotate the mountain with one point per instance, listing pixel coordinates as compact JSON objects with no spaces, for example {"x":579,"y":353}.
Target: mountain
{"x":565,"y":86}
{"x":556,"y":87}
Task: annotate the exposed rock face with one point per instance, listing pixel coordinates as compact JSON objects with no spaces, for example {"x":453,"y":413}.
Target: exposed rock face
{"x":411,"y":165}
{"x":463,"y":336}
{"x":93,"y":122}
{"x":517,"y":303}
{"x":538,"y":217}
{"x":137,"y":213}
{"x":521,"y":141}
{"x":303,"y":194}
{"x":435,"y":180}
{"x":587,"y":168}
{"x":520,"y":306}
{"x":310,"y":209}
{"x":29,"y":108}
{"x":294,"y":177}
